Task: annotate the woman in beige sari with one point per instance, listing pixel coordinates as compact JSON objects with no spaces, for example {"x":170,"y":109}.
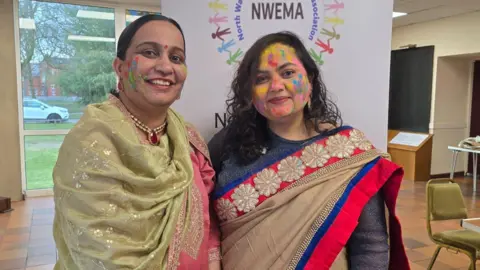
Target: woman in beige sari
{"x":294,"y":189}
{"x":132,"y":178}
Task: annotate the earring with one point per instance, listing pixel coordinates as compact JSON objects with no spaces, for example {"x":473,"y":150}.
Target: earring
{"x":309,"y":104}
{"x":120,"y":85}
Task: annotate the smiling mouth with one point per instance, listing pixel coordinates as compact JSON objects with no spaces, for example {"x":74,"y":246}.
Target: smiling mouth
{"x":278,"y":100}
{"x":160,"y":82}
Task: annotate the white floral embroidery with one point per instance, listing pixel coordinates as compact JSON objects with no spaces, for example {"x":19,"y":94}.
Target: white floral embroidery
{"x":358,"y":139}
{"x":315,"y":156}
{"x":267,"y":182}
{"x":291,"y":169}
{"x":226,"y":210}
{"x":245,"y":197}
{"x":340,"y":146}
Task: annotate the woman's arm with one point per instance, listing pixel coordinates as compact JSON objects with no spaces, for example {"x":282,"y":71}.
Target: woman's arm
{"x":215,"y":146}
{"x":368,"y":248}
{"x":208,"y":175}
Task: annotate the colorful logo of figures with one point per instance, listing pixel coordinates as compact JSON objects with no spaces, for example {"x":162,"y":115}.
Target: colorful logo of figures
{"x":228,"y":30}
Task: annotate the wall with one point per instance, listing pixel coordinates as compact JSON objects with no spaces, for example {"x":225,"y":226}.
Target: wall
{"x":10,"y":172}
{"x":450,"y":126}
{"x":453,"y":36}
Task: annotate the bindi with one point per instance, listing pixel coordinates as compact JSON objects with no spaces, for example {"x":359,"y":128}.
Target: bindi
{"x":165,"y":47}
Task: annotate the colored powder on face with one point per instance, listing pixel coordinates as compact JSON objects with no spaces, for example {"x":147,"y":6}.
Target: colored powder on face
{"x":276,"y":54}
{"x":132,"y":70}
{"x":261,"y":91}
{"x":300,"y":87}
{"x":185,"y":69}
{"x":260,"y":106}
{"x":271,"y":61}
{"x":282,"y":111}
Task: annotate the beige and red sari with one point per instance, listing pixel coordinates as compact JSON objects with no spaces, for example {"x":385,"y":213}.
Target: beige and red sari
{"x":299,"y":211}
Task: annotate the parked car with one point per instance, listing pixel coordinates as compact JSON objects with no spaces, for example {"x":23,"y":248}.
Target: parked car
{"x":34,"y":109}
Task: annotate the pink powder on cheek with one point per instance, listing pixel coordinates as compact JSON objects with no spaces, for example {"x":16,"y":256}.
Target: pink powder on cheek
{"x":260,"y":106}
{"x":282,"y":111}
{"x":299,"y":98}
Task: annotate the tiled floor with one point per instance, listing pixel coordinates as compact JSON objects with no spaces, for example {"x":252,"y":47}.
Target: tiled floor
{"x":26,"y":240}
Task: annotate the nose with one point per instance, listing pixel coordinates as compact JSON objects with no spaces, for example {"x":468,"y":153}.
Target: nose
{"x":277,"y":83}
{"x":163,"y":65}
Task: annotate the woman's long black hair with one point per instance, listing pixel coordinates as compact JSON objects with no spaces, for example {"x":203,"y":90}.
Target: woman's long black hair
{"x":247,"y":131}
{"x":129,"y":32}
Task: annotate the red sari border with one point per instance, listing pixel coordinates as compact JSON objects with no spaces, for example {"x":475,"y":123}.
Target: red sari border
{"x":384,"y":174}
{"x":352,"y":138}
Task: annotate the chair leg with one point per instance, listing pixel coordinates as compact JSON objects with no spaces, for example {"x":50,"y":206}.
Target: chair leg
{"x":473,"y":261}
{"x":434,"y":257}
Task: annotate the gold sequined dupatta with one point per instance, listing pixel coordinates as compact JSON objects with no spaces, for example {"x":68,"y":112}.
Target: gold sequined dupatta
{"x":118,"y":201}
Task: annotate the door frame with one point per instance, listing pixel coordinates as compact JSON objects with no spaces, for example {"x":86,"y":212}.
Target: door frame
{"x":471,"y":78}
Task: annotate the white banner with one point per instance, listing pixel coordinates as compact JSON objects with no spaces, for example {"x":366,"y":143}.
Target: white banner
{"x":350,"y":39}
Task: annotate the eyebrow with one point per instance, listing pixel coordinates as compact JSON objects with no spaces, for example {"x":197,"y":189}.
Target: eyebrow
{"x":284,"y":65}
{"x":159,"y":46}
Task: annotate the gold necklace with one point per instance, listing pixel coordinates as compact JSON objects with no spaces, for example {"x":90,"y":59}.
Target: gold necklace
{"x":152,"y":134}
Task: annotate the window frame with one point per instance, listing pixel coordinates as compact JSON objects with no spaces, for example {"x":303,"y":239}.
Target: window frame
{"x":120,"y":24}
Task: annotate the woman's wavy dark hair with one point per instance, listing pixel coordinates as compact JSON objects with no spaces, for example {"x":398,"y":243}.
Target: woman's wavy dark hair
{"x":247,"y":131}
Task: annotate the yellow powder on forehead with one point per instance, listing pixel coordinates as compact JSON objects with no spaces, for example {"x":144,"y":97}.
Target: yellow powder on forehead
{"x":276,"y":53}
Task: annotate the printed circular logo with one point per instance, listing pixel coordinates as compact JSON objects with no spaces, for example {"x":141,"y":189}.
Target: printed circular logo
{"x":237,"y":24}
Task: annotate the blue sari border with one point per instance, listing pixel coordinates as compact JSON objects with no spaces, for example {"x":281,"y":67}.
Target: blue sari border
{"x":333,"y":214}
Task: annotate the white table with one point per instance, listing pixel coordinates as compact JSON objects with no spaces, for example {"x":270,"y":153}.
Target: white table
{"x":475,"y":153}
{"x":472,"y":224}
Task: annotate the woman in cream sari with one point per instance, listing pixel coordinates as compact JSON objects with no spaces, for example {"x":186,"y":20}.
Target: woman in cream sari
{"x":132,"y":178}
{"x":297,"y":191}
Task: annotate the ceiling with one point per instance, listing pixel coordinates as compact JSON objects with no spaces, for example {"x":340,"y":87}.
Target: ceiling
{"x":428,"y":10}
{"x":418,"y":10}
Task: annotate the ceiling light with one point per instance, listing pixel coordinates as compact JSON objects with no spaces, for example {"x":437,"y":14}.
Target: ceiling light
{"x":27,"y":23}
{"x":398,"y":14}
{"x":88,"y":38}
{"x":95,"y":15}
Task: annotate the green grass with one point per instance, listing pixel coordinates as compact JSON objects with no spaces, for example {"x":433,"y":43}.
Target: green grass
{"x":41,"y":153}
{"x":31,"y":141}
{"x":48,"y":126}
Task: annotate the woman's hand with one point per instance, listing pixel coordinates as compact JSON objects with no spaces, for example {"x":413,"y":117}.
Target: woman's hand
{"x":214,"y":265}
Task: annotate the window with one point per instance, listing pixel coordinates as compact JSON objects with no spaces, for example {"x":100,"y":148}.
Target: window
{"x":66,"y":52}
{"x":41,"y":153}
{"x":132,"y":15}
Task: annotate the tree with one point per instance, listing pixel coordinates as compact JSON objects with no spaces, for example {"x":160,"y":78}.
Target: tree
{"x":89,"y":76}
{"x":85,"y":66}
